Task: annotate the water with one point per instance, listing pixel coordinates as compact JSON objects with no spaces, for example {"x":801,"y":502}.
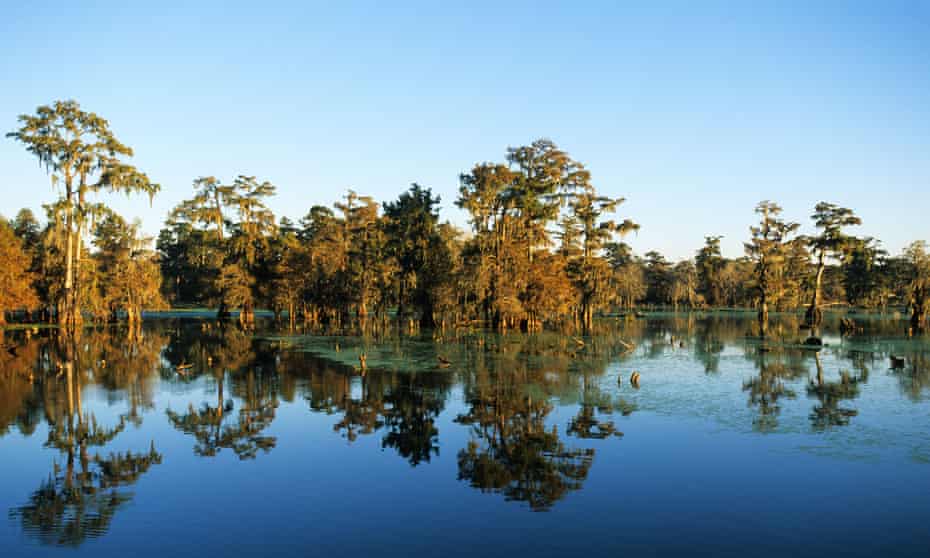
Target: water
{"x":523,"y":445}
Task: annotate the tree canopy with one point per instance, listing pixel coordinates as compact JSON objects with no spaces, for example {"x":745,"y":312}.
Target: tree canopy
{"x":84,"y":158}
{"x":545,"y":248}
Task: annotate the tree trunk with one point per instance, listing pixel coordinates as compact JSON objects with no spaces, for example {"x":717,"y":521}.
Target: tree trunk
{"x":220,"y":403}
{"x":819,"y":369}
{"x":247,"y":316}
{"x":917,"y":319}
{"x":763,"y":317}
{"x":587,"y":316}
{"x":76,"y":306}
{"x":427,"y":320}
{"x":814,"y":315}
{"x":135,"y":317}
{"x":65,"y":305}
{"x":918,"y":311}
{"x":401,"y":299}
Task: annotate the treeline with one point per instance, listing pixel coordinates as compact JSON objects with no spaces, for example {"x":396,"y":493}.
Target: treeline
{"x":543,"y":247}
{"x":360,"y":259}
{"x":559,"y":267}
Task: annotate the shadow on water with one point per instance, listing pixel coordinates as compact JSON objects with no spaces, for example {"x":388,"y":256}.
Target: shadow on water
{"x":403,"y":388}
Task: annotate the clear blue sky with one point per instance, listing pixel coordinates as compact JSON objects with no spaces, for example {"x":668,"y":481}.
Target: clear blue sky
{"x":693,"y":111}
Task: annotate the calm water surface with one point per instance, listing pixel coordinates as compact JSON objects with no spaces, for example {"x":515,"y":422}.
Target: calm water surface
{"x":524,"y":445}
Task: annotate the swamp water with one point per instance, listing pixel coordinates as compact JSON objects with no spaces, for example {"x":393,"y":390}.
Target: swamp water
{"x":196,"y":440}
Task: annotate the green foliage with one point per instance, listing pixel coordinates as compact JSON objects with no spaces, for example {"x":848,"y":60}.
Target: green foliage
{"x":235,"y":285}
{"x":685,"y":285}
{"x":511,"y":210}
{"x":423,"y":252}
{"x":710,"y":266}
{"x":217,"y":247}
{"x":27,"y":228}
{"x":862,"y":279}
{"x":659,"y":278}
{"x":83,"y":157}
{"x":769,"y":250}
{"x":831,"y":242}
{"x":918,"y":259}
{"x":129,"y":274}
{"x":545,"y":248}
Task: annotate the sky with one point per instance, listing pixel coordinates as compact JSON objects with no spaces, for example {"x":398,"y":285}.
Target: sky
{"x":692,"y":111}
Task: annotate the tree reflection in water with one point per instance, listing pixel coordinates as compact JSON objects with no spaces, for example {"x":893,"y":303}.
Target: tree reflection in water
{"x":514,"y":453}
{"x":227,"y":354}
{"x":74,"y":505}
{"x":778,"y":364}
{"x":80,"y":497}
{"x":914,"y":378}
{"x":510,"y":385}
{"x":405,"y":405}
{"x":828,"y":413}
{"x":412,"y":407}
{"x":512,"y":450}
{"x":775,"y":365}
